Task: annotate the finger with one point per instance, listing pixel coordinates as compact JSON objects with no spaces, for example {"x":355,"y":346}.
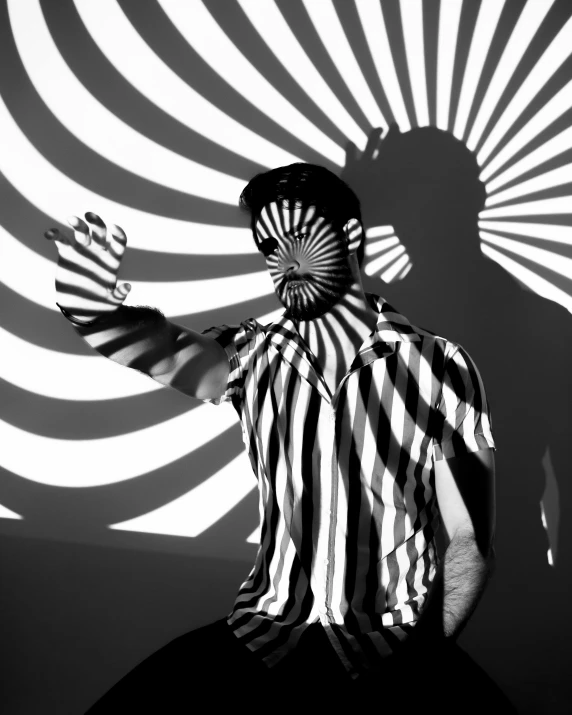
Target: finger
{"x":116,"y":240}
{"x":352,"y":153}
{"x":97,"y":229}
{"x":54,"y":234}
{"x":80,"y":230}
{"x":372,"y":143}
{"x":119,"y":293}
{"x":393,"y":132}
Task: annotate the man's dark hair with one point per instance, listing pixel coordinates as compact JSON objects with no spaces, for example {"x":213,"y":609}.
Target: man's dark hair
{"x":306,"y":184}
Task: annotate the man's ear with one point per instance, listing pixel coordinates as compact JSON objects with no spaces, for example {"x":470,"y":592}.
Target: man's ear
{"x":353,"y":231}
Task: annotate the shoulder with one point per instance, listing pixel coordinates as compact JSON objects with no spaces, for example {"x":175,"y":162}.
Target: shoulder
{"x":408,"y":331}
{"x":227,"y":332}
{"x":438,"y":342}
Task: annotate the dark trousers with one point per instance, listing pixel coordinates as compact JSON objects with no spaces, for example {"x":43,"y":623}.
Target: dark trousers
{"x":209,"y":670}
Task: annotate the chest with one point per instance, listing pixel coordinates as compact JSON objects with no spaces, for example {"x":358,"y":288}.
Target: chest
{"x":334,"y":366}
{"x":333,"y":354}
{"x":289,"y":414}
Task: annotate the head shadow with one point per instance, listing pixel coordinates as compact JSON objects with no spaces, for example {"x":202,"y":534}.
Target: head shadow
{"x":425,"y":184}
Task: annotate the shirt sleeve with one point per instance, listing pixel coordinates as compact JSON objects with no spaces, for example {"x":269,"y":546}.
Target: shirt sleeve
{"x":239,"y":342}
{"x":464,"y":418}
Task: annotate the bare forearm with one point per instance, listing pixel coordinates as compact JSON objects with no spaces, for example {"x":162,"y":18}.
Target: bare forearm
{"x":457,"y":588}
{"x":137,"y":337}
{"x":143,"y":339}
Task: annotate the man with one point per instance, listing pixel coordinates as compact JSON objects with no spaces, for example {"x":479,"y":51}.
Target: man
{"x":365,"y":434}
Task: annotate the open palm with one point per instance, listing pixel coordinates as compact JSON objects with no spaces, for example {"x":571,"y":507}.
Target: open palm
{"x":89,"y":257}
{"x":371,"y":174}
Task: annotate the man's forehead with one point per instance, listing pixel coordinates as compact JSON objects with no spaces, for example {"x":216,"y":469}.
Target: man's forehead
{"x":283,"y":217}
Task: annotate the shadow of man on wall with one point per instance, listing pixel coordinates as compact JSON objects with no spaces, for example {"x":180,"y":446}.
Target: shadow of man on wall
{"x":425,"y":183}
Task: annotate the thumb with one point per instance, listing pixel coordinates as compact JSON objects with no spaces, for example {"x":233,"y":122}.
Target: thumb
{"x":352,"y":153}
{"x":120,"y":292}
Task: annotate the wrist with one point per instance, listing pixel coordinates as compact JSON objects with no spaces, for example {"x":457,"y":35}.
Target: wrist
{"x":76,"y":321}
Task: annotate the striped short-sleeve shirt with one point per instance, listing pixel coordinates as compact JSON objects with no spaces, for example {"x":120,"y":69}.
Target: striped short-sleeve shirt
{"x":347,"y":502}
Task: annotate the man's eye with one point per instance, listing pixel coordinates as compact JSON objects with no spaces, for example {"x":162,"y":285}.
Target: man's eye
{"x":268,"y":246}
{"x":301,"y":235}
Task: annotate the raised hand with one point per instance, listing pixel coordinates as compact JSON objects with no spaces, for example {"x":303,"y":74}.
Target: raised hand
{"x":371,"y":173}
{"x":89,"y":257}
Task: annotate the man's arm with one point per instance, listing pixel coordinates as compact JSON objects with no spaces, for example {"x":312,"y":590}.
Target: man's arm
{"x":465,"y":489}
{"x":138,"y":337}
{"x":143,"y":339}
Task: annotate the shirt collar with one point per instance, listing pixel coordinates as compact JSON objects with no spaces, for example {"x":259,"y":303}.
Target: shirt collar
{"x":392,"y":327}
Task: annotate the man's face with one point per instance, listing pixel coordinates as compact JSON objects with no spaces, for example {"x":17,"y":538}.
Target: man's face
{"x":307,"y":259}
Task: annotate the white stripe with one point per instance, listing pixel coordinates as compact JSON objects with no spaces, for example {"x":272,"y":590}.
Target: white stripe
{"x":377,"y":231}
{"x":405,"y":272}
{"x":544,"y":231}
{"x":528,"y":23}
{"x":340,"y":517}
{"x":372,"y":249}
{"x":560,"y":103}
{"x":532,"y":280}
{"x":96,"y":462}
{"x":557,"y":145}
{"x":485,"y":27}
{"x":275,"y":583}
{"x":94,"y":125}
{"x":182,"y":297}
{"x":549,"y":259}
{"x":254,"y":538}
{"x":548,"y":180}
{"x":270,"y":317}
{"x":373,"y":24}
{"x":557,"y":52}
{"x":201,"y":31}
{"x":387,"y":541}
{"x":201,"y":507}
{"x":412,"y":22}
{"x":57,"y":196}
{"x":129,"y":54}
{"x":375,"y":266}
{"x":398,"y":422}
{"x":331,"y":32}
{"x":6,"y":513}
{"x":449,"y":15}
{"x":389,"y":275}
{"x":276,"y":33}
{"x":562,"y":205}
{"x":280,"y":486}
{"x":67,"y":377}
{"x":32,"y":276}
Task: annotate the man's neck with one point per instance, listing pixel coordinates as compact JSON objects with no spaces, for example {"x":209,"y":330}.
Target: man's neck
{"x":335,"y":337}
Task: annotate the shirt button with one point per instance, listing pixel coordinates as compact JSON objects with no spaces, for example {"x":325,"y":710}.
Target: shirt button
{"x":326,"y":561}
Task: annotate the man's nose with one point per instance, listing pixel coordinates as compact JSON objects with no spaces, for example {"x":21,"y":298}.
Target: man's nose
{"x":291,"y":265}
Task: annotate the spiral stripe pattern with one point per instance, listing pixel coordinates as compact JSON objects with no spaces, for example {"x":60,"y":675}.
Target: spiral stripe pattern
{"x":154,"y":115}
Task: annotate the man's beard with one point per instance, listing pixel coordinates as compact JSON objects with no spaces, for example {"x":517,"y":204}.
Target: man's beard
{"x":314,"y":295}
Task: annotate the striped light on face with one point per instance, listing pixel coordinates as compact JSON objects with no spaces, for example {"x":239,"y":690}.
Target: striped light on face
{"x":307,"y":259}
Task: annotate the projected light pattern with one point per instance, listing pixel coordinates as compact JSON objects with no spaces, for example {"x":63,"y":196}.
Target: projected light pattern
{"x":155,"y":114}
